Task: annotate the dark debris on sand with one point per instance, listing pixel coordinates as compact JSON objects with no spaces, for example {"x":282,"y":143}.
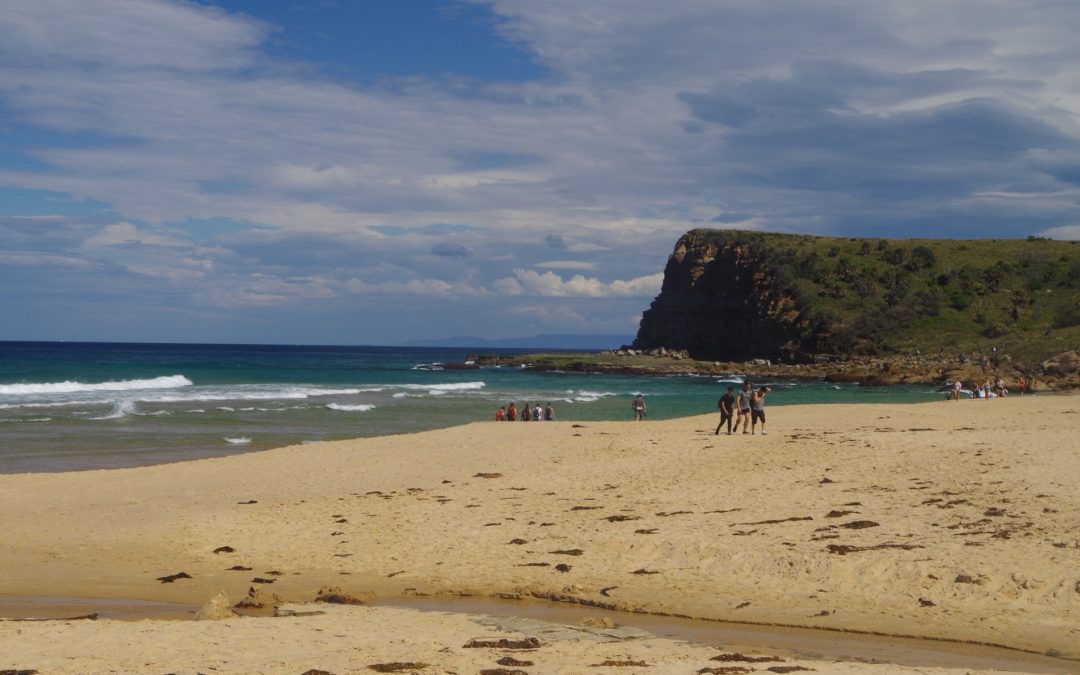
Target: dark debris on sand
{"x":169,"y":578}
{"x":503,"y":643}
{"x":397,"y":667}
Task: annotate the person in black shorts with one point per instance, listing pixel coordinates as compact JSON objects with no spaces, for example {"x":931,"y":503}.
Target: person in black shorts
{"x":727,"y":410}
{"x":757,"y":410}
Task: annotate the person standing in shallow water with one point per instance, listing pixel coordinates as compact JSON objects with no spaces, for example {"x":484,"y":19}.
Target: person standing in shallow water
{"x":511,"y":413}
{"x":549,"y":413}
{"x":526,"y":413}
{"x":638,"y":406}
{"x":727,"y":410}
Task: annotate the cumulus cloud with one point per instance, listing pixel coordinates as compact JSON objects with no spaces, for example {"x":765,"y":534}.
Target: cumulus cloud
{"x":551,"y":285}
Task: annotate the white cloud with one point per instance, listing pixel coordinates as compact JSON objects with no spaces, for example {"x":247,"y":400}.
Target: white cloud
{"x":118,"y":234}
{"x":921,"y":119}
{"x":551,"y":285}
{"x":1071,"y":232}
{"x":429,"y":288}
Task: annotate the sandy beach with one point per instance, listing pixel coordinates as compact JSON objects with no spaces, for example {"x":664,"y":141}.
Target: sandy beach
{"x":946,"y":520}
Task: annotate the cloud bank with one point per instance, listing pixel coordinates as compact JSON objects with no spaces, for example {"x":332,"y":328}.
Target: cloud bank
{"x":221,"y":177}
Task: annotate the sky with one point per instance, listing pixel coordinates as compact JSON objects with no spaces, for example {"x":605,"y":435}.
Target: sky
{"x":383,"y":171}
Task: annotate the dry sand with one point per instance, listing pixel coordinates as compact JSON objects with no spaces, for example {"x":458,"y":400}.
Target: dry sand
{"x":950,"y":520}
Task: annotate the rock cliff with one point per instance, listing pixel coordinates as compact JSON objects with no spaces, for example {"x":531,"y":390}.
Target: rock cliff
{"x":732,"y":295}
{"x":719,"y":300}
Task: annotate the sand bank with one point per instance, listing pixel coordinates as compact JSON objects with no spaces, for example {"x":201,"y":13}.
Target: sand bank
{"x":954,"y":520}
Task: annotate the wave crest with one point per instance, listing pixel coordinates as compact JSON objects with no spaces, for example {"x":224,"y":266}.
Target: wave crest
{"x":165,"y":382}
{"x":363,"y":407}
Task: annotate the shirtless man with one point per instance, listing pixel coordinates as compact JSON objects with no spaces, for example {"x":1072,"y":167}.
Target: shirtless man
{"x":743,"y":404}
{"x":757,"y":410}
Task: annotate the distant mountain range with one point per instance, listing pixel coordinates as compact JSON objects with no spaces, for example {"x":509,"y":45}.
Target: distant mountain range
{"x":589,"y":342}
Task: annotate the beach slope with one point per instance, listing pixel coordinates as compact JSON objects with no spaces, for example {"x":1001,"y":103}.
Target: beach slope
{"x":951,"y":520}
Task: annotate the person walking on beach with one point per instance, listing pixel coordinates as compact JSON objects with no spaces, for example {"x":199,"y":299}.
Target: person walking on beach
{"x":638,"y":405}
{"x":500,"y":414}
{"x":757,"y":410}
{"x":526,"y":413}
{"x":1021,"y":384}
{"x":743,"y":403}
{"x":538,"y":413}
{"x":727,"y":410}
{"x":549,"y":413}
{"x":957,"y":386}
{"x":511,"y":413}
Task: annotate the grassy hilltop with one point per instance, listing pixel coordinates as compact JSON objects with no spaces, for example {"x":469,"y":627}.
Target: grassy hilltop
{"x":856,"y":296}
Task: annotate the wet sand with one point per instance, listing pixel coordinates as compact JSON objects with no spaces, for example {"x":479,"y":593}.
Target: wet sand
{"x":949,"y":520}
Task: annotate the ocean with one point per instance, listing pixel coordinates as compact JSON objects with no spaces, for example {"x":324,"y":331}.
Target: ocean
{"x":81,"y":406}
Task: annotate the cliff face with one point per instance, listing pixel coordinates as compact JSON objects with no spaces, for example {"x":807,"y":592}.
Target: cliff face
{"x":732,"y":295}
{"x":719,"y":301}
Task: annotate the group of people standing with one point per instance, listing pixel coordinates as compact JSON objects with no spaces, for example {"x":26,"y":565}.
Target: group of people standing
{"x":529,"y":413}
{"x":989,"y":389}
{"x":746,"y":408}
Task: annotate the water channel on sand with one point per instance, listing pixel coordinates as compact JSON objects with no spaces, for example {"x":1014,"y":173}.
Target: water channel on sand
{"x":553,"y":620}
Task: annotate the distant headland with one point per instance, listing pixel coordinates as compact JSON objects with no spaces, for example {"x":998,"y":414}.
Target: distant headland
{"x":856,"y":309}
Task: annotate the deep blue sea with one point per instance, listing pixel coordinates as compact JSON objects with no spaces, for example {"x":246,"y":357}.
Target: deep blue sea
{"x":75,"y":406}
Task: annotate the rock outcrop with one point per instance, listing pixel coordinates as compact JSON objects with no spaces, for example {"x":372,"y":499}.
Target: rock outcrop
{"x":731,"y":295}
{"x":719,"y":301}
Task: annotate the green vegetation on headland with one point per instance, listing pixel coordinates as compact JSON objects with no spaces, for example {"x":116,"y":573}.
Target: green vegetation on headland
{"x":871,"y":310}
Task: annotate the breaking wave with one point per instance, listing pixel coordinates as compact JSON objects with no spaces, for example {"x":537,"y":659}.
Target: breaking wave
{"x":167,"y":382}
{"x":364,"y":407}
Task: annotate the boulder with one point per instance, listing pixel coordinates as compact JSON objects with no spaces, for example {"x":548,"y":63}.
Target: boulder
{"x":1067,"y":363}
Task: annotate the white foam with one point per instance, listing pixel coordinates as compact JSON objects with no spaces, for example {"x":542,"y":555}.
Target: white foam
{"x":120,"y":409}
{"x":168,"y":382}
{"x":243,"y":440}
{"x":592,"y":396}
{"x":363,"y":407}
{"x":248,"y":393}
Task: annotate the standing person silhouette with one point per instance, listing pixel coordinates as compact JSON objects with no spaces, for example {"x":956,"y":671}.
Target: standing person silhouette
{"x":743,"y":403}
{"x":638,"y":406}
{"x":727,"y":410}
{"x":757,"y":410}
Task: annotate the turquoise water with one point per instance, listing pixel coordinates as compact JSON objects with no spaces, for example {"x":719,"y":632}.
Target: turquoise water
{"x":76,"y":406}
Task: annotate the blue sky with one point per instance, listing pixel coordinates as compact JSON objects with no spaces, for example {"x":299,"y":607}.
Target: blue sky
{"x":377,"y":171}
